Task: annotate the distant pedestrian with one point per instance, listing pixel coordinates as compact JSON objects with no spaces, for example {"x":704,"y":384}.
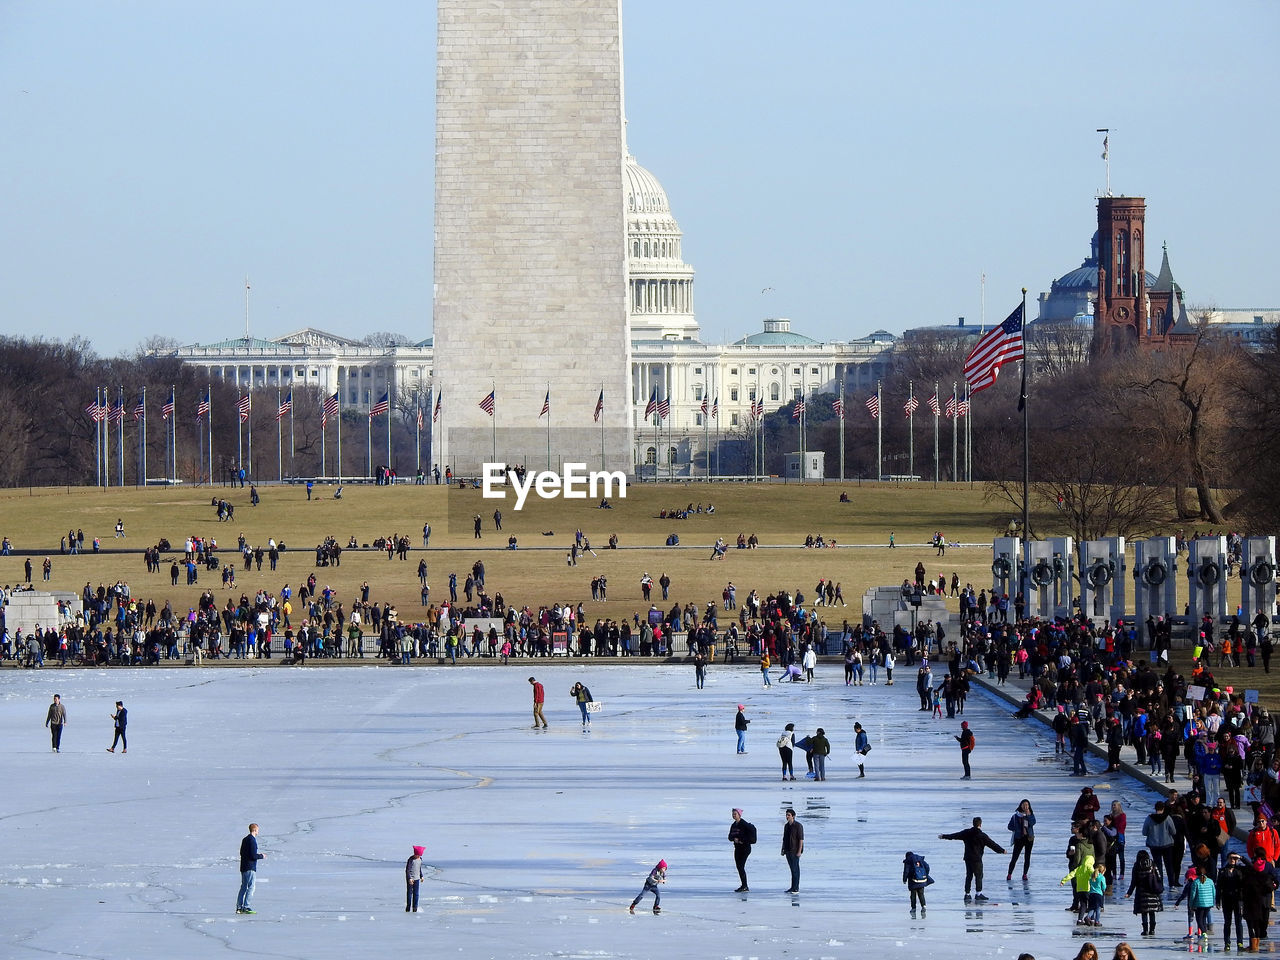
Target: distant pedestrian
{"x":121,"y":718}
{"x":413,"y":880}
{"x":657,"y":875}
{"x":55,"y":720}
{"x":740,"y":725}
{"x":539,"y":698}
{"x":249,"y":857}
{"x":120,"y":528}
{"x":743,"y":835}
{"x":975,"y":844}
{"x":1022,"y":825}
{"x":793,"y":848}
{"x":966,"y":742}
{"x":891,"y":540}
{"x":476,"y":523}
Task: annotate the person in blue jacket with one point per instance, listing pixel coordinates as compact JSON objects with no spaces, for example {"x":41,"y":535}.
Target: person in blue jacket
{"x":861,"y":746}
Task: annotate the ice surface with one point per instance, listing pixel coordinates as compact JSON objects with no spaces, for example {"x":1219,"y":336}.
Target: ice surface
{"x":536,"y":841}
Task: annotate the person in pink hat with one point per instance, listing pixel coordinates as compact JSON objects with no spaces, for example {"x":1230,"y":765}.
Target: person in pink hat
{"x":656,"y":876}
{"x":740,"y":724}
{"x":413,"y":880}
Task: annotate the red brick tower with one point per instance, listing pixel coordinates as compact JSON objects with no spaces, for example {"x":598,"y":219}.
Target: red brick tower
{"x":1121,"y":321}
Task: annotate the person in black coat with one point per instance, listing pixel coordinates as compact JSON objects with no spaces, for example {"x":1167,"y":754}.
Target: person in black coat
{"x":1230,"y":884}
{"x":1259,"y":883}
{"x":975,"y":844}
{"x":742,"y":834}
{"x":1144,"y":880}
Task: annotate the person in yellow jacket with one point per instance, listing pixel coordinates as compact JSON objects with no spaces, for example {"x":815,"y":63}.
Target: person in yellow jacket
{"x":765,"y":664}
{"x":1082,"y":874}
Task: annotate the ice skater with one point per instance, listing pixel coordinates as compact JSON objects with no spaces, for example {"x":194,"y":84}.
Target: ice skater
{"x":966,"y":747}
{"x":740,"y":725}
{"x":249,"y":857}
{"x":861,"y":746}
{"x":975,"y":844}
{"x":55,"y":720}
{"x":793,"y":848}
{"x":742,"y":834}
{"x":657,"y":875}
{"x":121,"y":718}
{"x":413,"y":879}
{"x":915,"y":874}
{"x":582,"y":695}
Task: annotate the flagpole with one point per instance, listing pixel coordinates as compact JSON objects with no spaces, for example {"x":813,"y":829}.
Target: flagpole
{"x":879,"y":432}
{"x":911,"y":430}
{"x":1026,"y":444}
{"x":121,"y":446}
{"x":173,"y":426}
{"x":98,"y":421}
{"x":250,"y":431}
{"x":323,"y":423}
{"x":968,"y":431}
{"x":936,"y":467}
{"x":209,"y":396}
{"x":279,"y":440}
{"x":339,"y":394}
{"x":293,"y":470}
{"x":493,"y":388}
{"x":842,"y":431}
{"x":548,"y":426}
{"x":601,"y":424}
{"x":388,"y":431}
{"x":369,"y":446}
{"x":417,"y":432}
{"x":142,"y":438}
{"x":955,"y":448}
{"x":239,"y":434}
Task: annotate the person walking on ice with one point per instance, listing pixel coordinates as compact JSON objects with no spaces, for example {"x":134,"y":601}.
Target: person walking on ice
{"x":539,"y":698}
{"x":966,"y":747}
{"x":656,"y":876}
{"x":975,"y":844}
{"x":55,"y":720}
{"x":121,"y":718}
{"x":861,"y":746}
{"x":740,"y":725}
{"x":915,"y":874}
{"x":742,"y":834}
{"x":413,"y":879}
{"x":249,"y":857}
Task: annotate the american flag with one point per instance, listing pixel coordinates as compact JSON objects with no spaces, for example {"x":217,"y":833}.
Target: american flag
{"x":703,"y":408}
{"x":546,"y":406}
{"x":381,"y":407}
{"x":435,"y":414}
{"x":1001,"y":345}
{"x":286,"y":405}
{"x":202,"y":407}
{"x":599,"y":406}
{"x":951,"y":406}
{"x":487,"y":403}
{"x":329,"y":410}
{"x":798,"y":410}
{"x":933,"y":404}
{"x":419,"y":418}
{"x":244,"y":406}
{"x":963,"y":408}
{"x":95,"y":412}
{"x":715,"y":408}
{"x":760,"y":409}
{"x":664,"y":408}
{"x":873,"y":404}
{"x":911,"y":405}
{"x":140,"y":408}
{"x":651,"y":407}
{"x":167,"y":410}
{"x":838,"y":406}
{"x":117,"y":412}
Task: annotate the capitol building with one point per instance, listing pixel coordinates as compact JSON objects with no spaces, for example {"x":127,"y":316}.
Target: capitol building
{"x":669,"y":359}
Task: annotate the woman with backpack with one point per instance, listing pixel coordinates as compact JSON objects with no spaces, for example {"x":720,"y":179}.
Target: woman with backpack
{"x":742,"y":834}
{"x":1146,"y":890}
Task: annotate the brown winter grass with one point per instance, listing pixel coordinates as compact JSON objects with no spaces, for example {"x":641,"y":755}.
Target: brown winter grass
{"x":780,"y":515}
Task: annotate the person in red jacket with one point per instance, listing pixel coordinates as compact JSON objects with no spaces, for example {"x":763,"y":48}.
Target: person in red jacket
{"x":1264,"y":837}
{"x":1086,"y":806}
{"x":539,"y":698}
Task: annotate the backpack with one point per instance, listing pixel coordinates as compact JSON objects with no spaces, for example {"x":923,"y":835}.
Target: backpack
{"x":784,"y":741}
{"x":920,"y":870}
{"x":749,"y":834}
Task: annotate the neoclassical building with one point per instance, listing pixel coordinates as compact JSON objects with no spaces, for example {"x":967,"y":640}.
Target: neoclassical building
{"x":669,"y":359}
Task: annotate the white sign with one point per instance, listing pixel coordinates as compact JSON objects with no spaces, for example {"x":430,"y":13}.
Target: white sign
{"x":574,"y":483}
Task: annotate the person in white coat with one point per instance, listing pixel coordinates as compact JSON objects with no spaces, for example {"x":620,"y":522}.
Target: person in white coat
{"x":809,"y":661}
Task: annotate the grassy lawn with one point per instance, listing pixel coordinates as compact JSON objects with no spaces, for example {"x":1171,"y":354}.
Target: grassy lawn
{"x":779,"y":515}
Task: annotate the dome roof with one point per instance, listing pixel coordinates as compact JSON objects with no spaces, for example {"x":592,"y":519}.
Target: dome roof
{"x":777,"y":333}
{"x":644,"y":192}
{"x":1084,"y":278}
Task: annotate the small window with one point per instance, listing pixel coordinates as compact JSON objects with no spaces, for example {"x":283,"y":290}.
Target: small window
{"x":651,"y":456}
{"x":733,"y":419}
{"x":751,"y":394}
{"x":795,"y":371}
{"x":775,"y":391}
{"x":733,"y":371}
{"x":697,"y":419}
{"x":814,"y":371}
{"x":751,"y":370}
{"x":733,"y":394}
{"x":795,"y":393}
{"x":697,"y":370}
{"x":697,"y":392}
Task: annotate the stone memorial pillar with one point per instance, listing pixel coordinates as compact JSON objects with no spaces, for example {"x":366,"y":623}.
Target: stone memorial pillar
{"x":1155,"y":584}
{"x":1258,"y":578}
{"x":1207,"y":581}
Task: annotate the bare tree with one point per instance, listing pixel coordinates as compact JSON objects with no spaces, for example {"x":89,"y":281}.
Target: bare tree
{"x":386,"y":338}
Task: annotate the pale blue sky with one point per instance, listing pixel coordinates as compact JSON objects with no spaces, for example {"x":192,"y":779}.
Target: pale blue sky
{"x":866,"y":161}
